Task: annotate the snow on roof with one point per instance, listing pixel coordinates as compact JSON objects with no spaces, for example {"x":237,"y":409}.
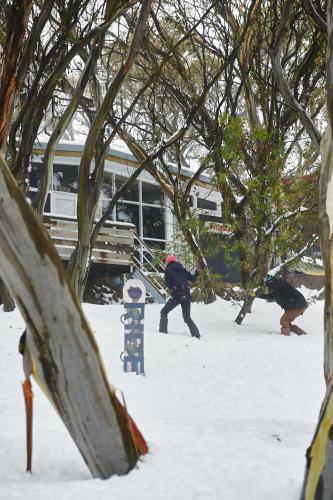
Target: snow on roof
{"x":124,"y":153}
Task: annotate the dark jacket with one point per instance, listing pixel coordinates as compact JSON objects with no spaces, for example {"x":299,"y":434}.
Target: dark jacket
{"x":176,"y":276}
{"x":284,"y":294}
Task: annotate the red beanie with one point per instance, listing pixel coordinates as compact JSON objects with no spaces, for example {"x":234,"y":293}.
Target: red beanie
{"x":170,"y":258}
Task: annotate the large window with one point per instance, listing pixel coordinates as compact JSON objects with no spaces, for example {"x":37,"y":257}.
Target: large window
{"x":105,"y":204}
{"x":128,"y":213}
{"x":206,"y":204}
{"x":107,"y":185}
{"x":153,"y":223}
{"x":155,"y":245}
{"x":132,"y":193}
{"x":35,"y":175}
{"x":141,"y":205}
{"x":152,"y":194}
{"x":65,"y":178}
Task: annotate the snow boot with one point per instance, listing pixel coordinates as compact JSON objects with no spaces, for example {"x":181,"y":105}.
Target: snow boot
{"x":285,"y":331}
{"x":194,"y":329}
{"x":296,"y":329}
{"x":163,"y":324}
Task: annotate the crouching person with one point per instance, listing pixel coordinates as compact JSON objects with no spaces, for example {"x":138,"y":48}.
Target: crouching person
{"x":290,"y":299}
{"x":176,"y":279}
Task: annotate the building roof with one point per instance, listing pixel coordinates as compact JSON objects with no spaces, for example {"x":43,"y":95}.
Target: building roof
{"x":76,"y":149}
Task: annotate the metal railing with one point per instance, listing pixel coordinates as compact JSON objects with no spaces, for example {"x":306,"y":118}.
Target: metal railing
{"x":145,"y":262}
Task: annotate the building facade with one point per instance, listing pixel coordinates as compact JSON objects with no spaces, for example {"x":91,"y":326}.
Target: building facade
{"x":144,"y":205}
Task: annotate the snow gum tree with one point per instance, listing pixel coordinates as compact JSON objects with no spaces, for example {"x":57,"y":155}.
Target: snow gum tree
{"x":266,"y":208}
{"x":60,"y":350}
{"x":260,"y":144}
{"x":222,"y":77}
{"x":89,"y":186}
{"x":70,"y":39}
{"x":42,"y":42}
{"x":179,"y":84}
{"x":163,"y":136}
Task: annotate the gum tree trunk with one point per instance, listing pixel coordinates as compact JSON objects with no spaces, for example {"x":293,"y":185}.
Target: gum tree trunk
{"x":244,"y":310}
{"x":318,"y":480}
{"x":61,"y":351}
{"x":326,"y":236}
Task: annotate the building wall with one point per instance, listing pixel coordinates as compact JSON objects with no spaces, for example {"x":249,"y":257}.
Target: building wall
{"x":145,"y":205}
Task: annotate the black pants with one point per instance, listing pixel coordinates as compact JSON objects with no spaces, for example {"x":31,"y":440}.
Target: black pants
{"x":186,"y":310}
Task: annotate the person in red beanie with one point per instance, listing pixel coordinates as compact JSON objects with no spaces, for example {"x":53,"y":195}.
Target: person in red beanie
{"x":176,"y":278}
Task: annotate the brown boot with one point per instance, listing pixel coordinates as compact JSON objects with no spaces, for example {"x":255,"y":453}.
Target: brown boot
{"x":296,"y":329}
{"x":285,"y":331}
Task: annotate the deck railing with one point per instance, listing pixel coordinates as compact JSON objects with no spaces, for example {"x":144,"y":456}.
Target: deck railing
{"x":117,"y":244}
{"x":114,"y":244}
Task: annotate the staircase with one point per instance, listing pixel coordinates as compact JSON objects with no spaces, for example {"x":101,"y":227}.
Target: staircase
{"x":145,"y":270}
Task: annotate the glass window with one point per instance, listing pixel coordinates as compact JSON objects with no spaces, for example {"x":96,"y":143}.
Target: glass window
{"x":132,"y":194}
{"x":65,"y":178}
{"x":35,"y":174}
{"x":206,"y":204}
{"x":152,"y":194}
{"x":128,"y":213}
{"x":105,"y":204}
{"x":107,"y":185}
{"x":155,"y":245}
{"x":153,"y":222}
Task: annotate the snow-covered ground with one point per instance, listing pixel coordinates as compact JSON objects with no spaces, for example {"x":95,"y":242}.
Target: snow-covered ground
{"x":228,"y":417}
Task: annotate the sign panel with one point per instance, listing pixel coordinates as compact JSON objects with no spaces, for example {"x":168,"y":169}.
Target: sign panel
{"x":218,"y":227}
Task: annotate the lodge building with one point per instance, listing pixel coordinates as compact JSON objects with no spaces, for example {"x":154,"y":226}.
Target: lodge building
{"x":141,"y":222}
{"x":143,"y":218}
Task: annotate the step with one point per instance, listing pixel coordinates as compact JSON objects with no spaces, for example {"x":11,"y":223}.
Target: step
{"x":150,"y":288}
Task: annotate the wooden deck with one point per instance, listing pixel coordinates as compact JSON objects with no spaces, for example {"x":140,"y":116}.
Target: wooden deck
{"x":114,"y":244}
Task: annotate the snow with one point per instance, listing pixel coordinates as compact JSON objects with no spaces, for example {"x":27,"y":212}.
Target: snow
{"x":80,"y":139}
{"x":227,"y":417}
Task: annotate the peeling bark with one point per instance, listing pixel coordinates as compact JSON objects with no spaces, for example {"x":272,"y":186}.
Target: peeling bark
{"x":17,"y":20}
{"x":326,"y":236}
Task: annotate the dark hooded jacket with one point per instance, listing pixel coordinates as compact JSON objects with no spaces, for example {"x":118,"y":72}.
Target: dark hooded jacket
{"x":284,"y":294}
{"x":176,"y":276}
